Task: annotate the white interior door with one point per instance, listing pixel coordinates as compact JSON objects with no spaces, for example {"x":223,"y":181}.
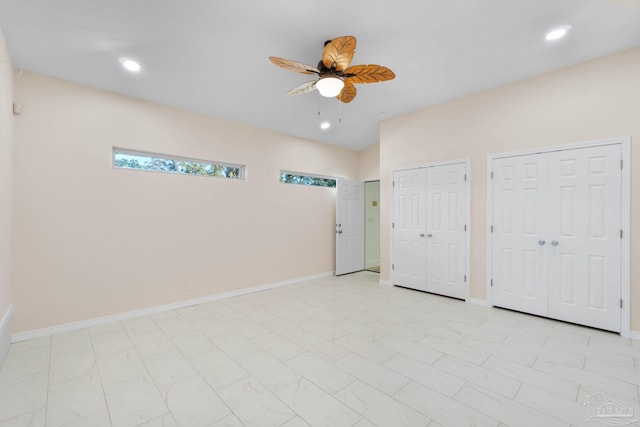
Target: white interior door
{"x":349,"y":226}
{"x":557,"y":246}
{"x":585,"y":252}
{"x":409,"y":228}
{"x":445,"y":230}
{"x":520,"y":231}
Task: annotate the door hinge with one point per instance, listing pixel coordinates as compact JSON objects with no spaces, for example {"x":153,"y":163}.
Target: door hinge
{"x":621,"y":233}
{"x":492,"y":228}
{"x":465,"y":277}
{"x":621,"y":163}
{"x":393,"y":183}
{"x":491,"y":174}
{"x":393,"y":225}
{"x":620,"y":303}
{"x":465,"y":177}
{"x":393,"y":266}
{"x":492,"y":283}
{"x":465,"y":227}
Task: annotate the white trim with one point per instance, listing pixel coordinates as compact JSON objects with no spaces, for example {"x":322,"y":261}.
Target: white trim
{"x":489,"y":247}
{"x":625,"y":145}
{"x":563,"y":147}
{"x":391,"y":202}
{"x":467,"y":166}
{"x":625,"y":254}
{"x":634,"y":335}
{"x":5,"y":333}
{"x":67,"y":327}
{"x":242,"y":176}
{"x":479,"y":301}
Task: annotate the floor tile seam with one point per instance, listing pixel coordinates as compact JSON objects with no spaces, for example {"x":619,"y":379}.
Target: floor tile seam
{"x":272,"y":394}
{"x":196,"y":374}
{"x":199,"y":374}
{"x":581,"y":384}
{"x":442,"y":395}
{"x":104,"y":393}
{"x":473,"y":382}
{"x":532,"y":368}
{"x":624,"y":368}
{"x":392,"y":396}
{"x":32,"y":411}
{"x":568,"y":421}
{"x":371,"y":385}
{"x":597,"y":374}
{"x":78,"y":375}
{"x":613,"y":350}
{"x":597,"y":351}
{"x":490,"y":393}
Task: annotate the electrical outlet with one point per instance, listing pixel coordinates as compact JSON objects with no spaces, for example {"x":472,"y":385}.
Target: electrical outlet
{"x":189,"y":286}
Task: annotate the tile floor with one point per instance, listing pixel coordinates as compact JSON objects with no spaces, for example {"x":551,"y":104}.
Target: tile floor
{"x":332,"y":352}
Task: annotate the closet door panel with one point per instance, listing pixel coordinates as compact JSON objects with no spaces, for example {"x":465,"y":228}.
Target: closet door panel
{"x":520,"y":228}
{"x":409,"y":226}
{"x":585,"y":222}
{"x":445,"y":233}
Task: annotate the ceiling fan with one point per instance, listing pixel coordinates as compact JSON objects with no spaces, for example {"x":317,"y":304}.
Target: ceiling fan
{"x":335,"y":77}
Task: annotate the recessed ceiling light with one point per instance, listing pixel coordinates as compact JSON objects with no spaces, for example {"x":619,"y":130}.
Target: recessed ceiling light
{"x":557,"y":33}
{"x":130,"y":64}
{"x":325,"y":125}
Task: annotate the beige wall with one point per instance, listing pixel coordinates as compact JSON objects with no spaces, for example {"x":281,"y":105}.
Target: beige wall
{"x":591,"y":101}
{"x":90,"y":240}
{"x":6,"y":155}
{"x":369,"y":163}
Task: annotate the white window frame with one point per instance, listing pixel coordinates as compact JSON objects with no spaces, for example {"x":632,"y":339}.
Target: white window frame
{"x":242,"y":174}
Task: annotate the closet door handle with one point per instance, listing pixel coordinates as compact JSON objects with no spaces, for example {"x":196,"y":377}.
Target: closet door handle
{"x":421,"y":234}
{"x":554,"y":243}
{"x":429,"y":235}
{"x":541,"y":242}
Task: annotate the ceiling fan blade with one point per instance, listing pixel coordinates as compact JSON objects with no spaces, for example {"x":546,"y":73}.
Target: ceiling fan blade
{"x":370,"y":73}
{"x":305,"y":87}
{"x":348,"y":92}
{"x":290,"y":65}
{"x":338,"y":53}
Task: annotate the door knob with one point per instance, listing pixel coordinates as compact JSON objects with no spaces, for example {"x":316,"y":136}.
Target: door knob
{"x":421,"y":234}
{"x":429,"y":235}
{"x":554,"y":243}
{"x":541,"y":242}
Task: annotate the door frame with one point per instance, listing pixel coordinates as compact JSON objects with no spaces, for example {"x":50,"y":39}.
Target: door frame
{"x":365,"y":221}
{"x":467,"y":163}
{"x":362,"y":218}
{"x":625,"y":254}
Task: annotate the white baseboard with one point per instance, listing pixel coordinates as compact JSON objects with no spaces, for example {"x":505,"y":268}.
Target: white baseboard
{"x":634,"y":335}
{"x":5,"y":333}
{"x":73,"y":326}
{"x":478,"y":301}
{"x":385,"y":282}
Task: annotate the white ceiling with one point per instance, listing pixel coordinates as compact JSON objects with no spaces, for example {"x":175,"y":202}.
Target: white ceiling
{"x":211,"y":56}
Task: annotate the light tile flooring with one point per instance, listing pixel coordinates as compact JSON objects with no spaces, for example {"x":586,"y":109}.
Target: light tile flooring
{"x":333,"y":352}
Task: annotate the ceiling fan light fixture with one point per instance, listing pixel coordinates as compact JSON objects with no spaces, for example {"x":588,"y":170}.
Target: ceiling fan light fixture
{"x":330,"y":86}
{"x":557,"y":33}
{"x":130,"y":65}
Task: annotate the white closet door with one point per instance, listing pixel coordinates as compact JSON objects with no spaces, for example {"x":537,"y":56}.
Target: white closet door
{"x":349,"y":226}
{"x":584,"y":258}
{"x":409,"y":228}
{"x":520,"y":218}
{"x":445,"y":233}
